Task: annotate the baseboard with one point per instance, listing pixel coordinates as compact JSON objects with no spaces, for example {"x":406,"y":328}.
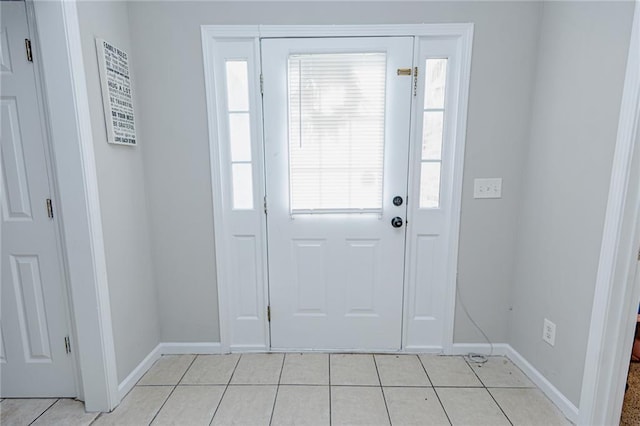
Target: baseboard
{"x":416,"y":349}
{"x":249,"y":348}
{"x":504,"y":349}
{"x":499,"y":349}
{"x":180,"y":348}
{"x":169,"y":348}
{"x":561,"y":401}
{"x":130,"y":381}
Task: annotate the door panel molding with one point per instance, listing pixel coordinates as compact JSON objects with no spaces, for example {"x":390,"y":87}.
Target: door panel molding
{"x":16,"y":204}
{"x":214,"y":38}
{"x":29,"y":298}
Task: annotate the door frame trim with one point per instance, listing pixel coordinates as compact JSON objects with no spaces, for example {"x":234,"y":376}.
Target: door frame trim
{"x":212,"y":33}
{"x":615,"y":304}
{"x":70,"y":139}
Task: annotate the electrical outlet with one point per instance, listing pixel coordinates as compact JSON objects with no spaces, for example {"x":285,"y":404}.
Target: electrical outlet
{"x":549,"y":332}
{"x":487,"y":188}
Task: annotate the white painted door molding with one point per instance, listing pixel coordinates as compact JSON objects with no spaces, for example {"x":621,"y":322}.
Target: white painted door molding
{"x":64,"y":91}
{"x":244,"y":326}
{"x":615,"y":304}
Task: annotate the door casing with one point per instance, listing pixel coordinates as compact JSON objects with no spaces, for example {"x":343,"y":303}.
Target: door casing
{"x":60,"y":70}
{"x":245,"y":41}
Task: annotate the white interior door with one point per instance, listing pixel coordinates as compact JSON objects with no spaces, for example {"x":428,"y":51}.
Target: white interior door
{"x":33,"y":317}
{"x":336,"y":128}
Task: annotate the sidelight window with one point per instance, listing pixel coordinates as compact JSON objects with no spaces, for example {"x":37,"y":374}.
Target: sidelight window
{"x":239,"y":125}
{"x":432,"y":132}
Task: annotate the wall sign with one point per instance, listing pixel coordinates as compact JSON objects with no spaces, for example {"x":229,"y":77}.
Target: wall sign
{"x":117,"y":96}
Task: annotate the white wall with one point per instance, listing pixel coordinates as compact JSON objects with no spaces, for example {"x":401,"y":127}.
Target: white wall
{"x":581,"y":64}
{"x":122,"y":192}
{"x":167,"y":58}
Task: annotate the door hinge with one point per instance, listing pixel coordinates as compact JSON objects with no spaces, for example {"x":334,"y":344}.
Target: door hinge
{"x":415,"y":81}
{"x":49,"y":208}
{"x":638,"y":254}
{"x":67,"y":345}
{"x":27,"y":46}
{"x":261,"y":84}
{"x":265,"y":204}
{"x":268,"y":313}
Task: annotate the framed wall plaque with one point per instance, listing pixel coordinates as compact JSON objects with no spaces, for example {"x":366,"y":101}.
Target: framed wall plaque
{"x":117,"y":95}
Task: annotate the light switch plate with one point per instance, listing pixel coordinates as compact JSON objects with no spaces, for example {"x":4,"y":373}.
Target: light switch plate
{"x":487,"y":188}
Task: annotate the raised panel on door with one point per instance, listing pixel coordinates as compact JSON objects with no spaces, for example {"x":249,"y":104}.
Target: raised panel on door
{"x":336,"y":135}
{"x":29,"y":300}
{"x":424,"y":302}
{"x":3,"y":355}
{"x":245,"y":276}
{"x":5,"y":53}
{"x":309,"y":277}
{"x":362,"y":280}
{"x":15,"y":204}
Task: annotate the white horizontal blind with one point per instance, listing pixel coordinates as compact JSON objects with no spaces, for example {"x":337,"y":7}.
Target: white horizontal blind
{"x":336,"y":131}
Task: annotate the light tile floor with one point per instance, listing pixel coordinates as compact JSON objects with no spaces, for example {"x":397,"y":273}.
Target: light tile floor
{"x":311,"y":389}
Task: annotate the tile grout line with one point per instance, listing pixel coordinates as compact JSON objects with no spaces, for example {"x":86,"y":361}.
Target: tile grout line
{"x":174,"y":388}
{"x":499,"y":406}
{"x":329,"y":358}
{"x":45,"y":410}
{"x":96,"y":419}
{"x":335,"y":386}
{"x":474,"y":371}
{"x":133,"y":387}
{"x":384,"y":398}
{"x":434,"y":390}
{"x":225,"y":390}
{"x":284,"y":356}
{"x":511,"y":387}
{"x":485,"y":388}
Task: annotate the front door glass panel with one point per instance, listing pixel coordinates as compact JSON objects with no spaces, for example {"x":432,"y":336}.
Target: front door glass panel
{"x":336,"y":107}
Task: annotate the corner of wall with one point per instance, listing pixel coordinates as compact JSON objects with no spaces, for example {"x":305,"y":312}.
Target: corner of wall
{"x":525,"y":166}
{"x":121,"y":189}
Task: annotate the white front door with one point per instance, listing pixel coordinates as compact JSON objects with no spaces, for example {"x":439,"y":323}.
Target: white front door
{"x":34,"y":320}
{"x":336,"y":134}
